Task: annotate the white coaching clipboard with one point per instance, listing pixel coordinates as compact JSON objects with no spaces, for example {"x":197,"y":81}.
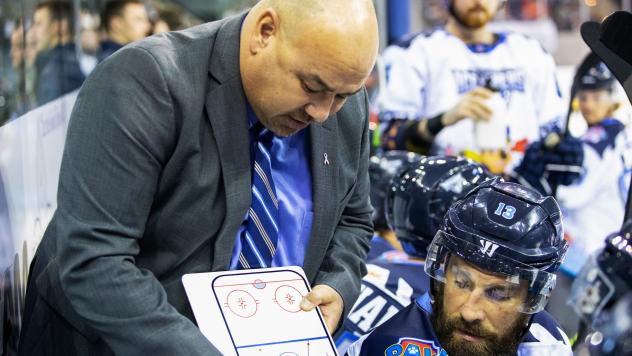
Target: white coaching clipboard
{"x":256,"y":312}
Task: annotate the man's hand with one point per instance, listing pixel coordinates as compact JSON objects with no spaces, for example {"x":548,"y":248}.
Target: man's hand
{"x":472,"y":105}
{"x":330,"y":303}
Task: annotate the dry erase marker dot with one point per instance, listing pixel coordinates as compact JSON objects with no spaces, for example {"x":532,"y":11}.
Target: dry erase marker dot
{"x":259,"y":284}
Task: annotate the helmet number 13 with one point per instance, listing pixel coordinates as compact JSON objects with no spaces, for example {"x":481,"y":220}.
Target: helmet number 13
{"x":506,"y":211}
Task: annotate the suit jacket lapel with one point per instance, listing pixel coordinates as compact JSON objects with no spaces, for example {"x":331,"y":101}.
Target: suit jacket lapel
{"x":226,"y":109}
{"x":323,"y":141}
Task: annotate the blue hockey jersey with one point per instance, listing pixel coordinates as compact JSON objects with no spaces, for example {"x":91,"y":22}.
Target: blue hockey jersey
{"x":392,"y":283}
{"x":410,"y":332}
{"x":379,"y":245}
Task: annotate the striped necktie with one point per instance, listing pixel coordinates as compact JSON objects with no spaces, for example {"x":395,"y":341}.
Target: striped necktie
{"x":259,"y":239}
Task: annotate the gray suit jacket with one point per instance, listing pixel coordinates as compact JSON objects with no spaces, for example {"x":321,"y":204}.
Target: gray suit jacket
{"x":154,"y":184}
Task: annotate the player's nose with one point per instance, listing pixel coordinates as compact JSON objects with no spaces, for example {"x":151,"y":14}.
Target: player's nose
{"x":472,"y":310}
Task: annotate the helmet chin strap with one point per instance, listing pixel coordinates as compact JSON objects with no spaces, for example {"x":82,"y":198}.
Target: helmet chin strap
{"x":527,"y":326}
{"x":432,"y":291}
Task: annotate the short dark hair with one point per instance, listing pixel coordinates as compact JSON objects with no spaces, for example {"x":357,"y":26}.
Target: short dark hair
{"x":114,"y":8}
{"x":59,"y":10}
{"x":172,"y":16}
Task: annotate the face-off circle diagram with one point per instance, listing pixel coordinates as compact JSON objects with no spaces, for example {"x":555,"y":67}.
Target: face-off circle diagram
{"x":241,"y":303}
{"x":288,"y":298}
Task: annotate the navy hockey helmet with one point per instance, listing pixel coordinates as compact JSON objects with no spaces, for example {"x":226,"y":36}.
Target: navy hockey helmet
{"x":508,"y":230}
{"x":596,"y":77}
{"x":605,"y":277}
{"x":382,"y":168}
{"x":421,"y":195}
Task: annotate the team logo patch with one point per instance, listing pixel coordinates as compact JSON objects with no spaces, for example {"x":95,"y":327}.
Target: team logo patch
{"x":414,"y":347}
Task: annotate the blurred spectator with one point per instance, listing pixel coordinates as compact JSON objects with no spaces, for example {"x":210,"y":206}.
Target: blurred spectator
{"x":169,"y":18}
{"x":90,"y":43}
{"x":564,"y":13}
{"x":89,"y":32}
{"x":30,"y":51}
{"x":11,"y":83}
{"x":434,"y":13}
{"x":20,"y":96}
{"x":18,"y":46}
{"x":124,"y":21}
{"x":160,"y":26}
{"x":57,"y":66}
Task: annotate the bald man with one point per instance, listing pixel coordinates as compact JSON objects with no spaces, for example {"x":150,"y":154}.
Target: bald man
{"x":168,"y":147}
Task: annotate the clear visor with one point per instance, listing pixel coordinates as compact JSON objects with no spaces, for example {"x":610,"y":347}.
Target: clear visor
{"x":481,"y":269}
{"x":591,"y":290}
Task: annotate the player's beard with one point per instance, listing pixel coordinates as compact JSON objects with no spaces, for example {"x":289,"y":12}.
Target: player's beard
{"x":505,"y":344}
{"x":474,"y":18}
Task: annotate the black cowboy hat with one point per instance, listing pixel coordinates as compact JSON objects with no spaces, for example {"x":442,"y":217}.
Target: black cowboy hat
{"x":611,"y":40}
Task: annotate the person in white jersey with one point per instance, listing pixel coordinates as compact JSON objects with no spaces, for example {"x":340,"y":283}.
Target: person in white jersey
{"x":463,"y":88}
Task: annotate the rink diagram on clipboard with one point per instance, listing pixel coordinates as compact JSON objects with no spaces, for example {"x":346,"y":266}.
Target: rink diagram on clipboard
{"x":263,"y":316}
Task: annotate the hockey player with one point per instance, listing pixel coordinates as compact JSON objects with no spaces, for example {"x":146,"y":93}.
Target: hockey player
{"x":594,"y":205}
{"x":382,"y":168}
{"x":598,"y":190}
{"x":492,"y":264}
{"x":602,"y":189}
{"x":480,"y":92}
{"x":415,"y":204}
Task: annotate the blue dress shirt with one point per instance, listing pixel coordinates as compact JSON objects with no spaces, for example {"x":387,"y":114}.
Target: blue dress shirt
{"x":292,"y":178}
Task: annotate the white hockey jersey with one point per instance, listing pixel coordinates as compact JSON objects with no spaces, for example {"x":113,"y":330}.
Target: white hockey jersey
{"x":429,"y":74}
{"x":594,"y":206}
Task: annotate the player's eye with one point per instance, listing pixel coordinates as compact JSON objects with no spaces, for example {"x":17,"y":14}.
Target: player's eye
{"x":498,"y":294}
{"x":462,"y":283}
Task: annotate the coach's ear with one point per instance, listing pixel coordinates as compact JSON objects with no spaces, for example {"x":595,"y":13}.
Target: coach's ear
{"x":265,"y":30}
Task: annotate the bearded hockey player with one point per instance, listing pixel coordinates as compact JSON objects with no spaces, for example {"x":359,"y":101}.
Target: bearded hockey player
{"x":492,"y":264}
